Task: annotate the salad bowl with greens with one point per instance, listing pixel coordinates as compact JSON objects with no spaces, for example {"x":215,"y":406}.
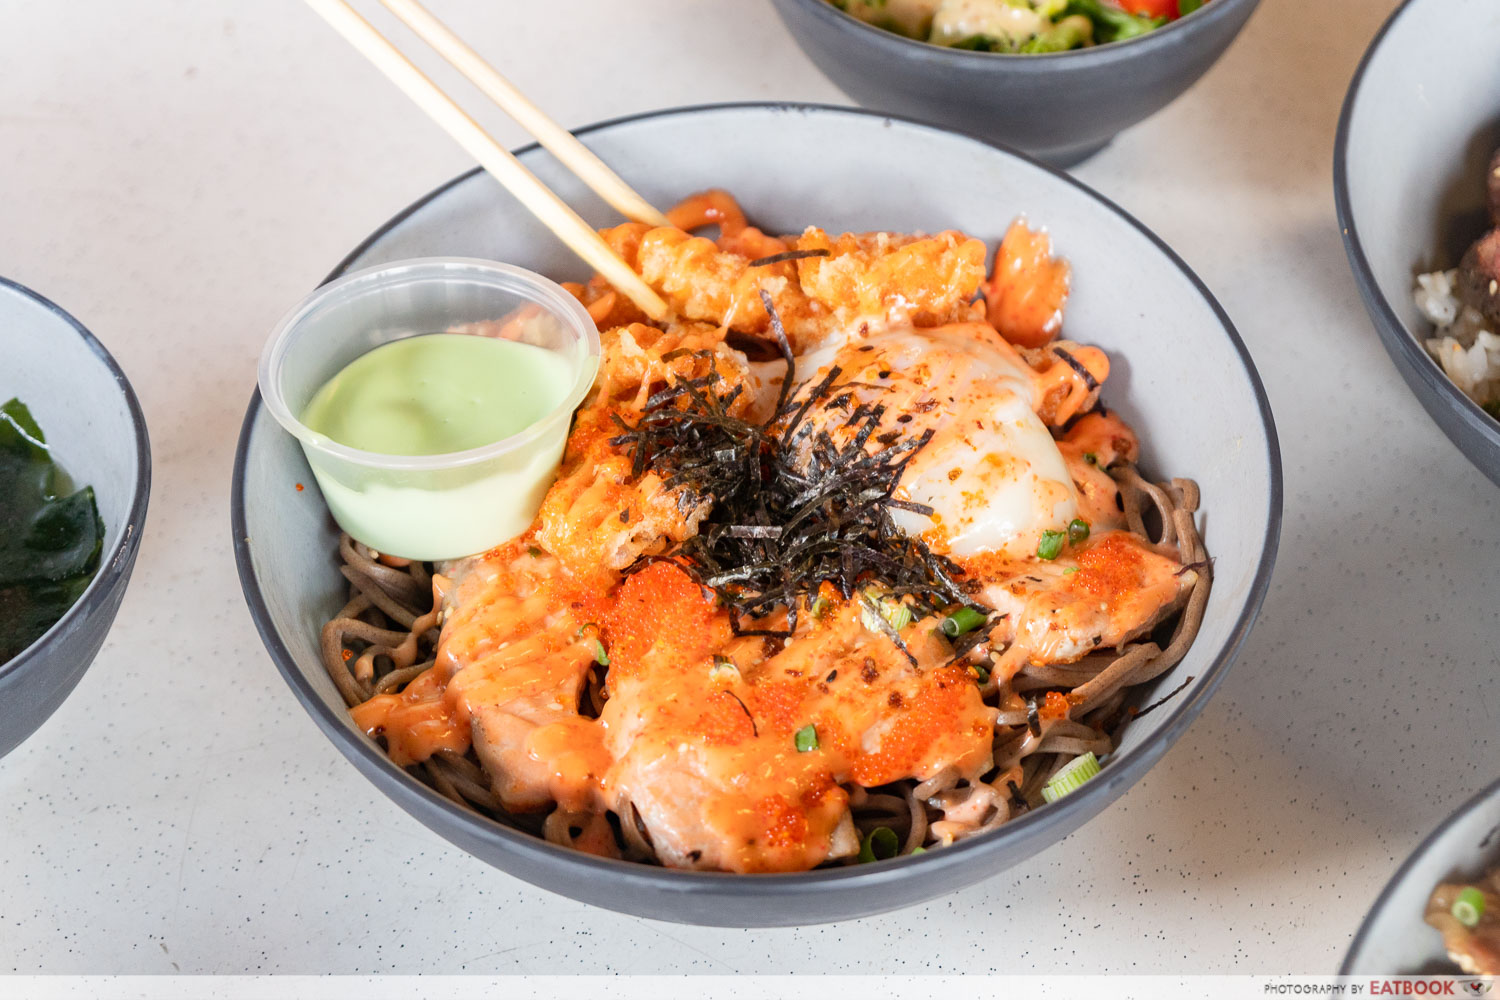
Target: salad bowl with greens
{"x":1054,"y":78}
{"x":1019,"y":27}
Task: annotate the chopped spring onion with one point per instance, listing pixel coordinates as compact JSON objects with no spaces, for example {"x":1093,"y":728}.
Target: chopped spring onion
{"x":1051,"y":545}
{"x":896,"y":614}
{"x":1078,"y":531}
{"x":1468,"y":907}
{"x":723,"y":669}
{"x":1091,"y":458}
{"x":919,"y":849}
{"x":961,"y":621}
{"x":806,"y":739}
{"x":820,"y":606}
{"x":600,"y":656}
{"x":1074,"y":775}
{"x":880,"y":844}
{"x":981,"y":673}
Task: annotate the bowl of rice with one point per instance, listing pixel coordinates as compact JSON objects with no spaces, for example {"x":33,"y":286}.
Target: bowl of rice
{"x":1417,"y":186}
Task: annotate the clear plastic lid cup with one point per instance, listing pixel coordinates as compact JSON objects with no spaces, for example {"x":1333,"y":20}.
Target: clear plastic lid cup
{"x":429,"y":507}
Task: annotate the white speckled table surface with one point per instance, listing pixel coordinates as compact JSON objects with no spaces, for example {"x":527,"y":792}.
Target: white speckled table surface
{"x":177,"y":172}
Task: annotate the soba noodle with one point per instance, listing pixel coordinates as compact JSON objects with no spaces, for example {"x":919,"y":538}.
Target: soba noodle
{"x":387,"y":632}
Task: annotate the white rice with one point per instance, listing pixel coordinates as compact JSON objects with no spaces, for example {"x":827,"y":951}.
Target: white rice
{"x":1465,"y":346}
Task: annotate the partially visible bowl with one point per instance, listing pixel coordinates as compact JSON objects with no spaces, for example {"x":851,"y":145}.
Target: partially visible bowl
{"x":1062,"y":107}
{"x":1419,"y":124}
{"x":793,"y":166}
{"x":1394,"y":940}
{"x":97,"y":433}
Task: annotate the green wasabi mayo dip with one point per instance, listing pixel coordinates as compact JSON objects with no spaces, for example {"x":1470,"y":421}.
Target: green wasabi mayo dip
{"x":439,"y":393}
{"x":432,"y":399}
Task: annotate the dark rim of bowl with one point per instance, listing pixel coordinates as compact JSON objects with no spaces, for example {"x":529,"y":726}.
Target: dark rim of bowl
{"x":1125,"y":768}
{"x":1099,"y":55}
{"x":1418,"y":854}
{"x":114,"y":563}
{"x":1413,"y":354}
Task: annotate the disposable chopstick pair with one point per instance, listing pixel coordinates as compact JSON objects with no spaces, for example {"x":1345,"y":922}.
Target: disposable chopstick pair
{"x":540,"y":200}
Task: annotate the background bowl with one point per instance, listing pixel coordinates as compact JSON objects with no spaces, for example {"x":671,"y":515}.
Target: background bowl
{"x":792,"y":166}
{"x":1394,"y":940}
{"x":94,"y":426}
{"x":1420,"y":122}
{"x":1062,"y":107}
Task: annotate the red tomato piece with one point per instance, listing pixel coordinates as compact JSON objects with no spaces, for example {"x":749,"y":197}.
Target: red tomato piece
{"x":1150,"y":8}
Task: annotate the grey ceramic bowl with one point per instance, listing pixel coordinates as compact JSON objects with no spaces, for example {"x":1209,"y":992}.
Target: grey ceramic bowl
{"x":1394,"y":940}
{"x":1201,"y":412}
{"x":96,"y":431}
{"x":1062,"y":107}
{"x":1420,"y":122}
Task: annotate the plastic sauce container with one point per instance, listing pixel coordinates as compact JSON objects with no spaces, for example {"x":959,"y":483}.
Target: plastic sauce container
{"x":425,"y":506}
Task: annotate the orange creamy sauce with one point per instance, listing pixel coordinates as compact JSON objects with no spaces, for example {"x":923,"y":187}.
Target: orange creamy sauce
{"x":1106,"y":591}
{"x":677,"y":721}
{"x":417,"y":722}
{"x":699,"y":729}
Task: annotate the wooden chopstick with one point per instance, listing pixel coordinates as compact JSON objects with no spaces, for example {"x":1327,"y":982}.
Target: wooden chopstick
{"x":554,"y":138}
{"x":553,"y":212}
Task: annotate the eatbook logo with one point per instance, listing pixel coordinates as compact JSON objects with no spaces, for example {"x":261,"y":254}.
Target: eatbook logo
{"x":1477,"y":988}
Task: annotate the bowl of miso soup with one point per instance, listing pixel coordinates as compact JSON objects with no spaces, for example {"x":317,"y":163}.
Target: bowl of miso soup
{"x":75,"y":476}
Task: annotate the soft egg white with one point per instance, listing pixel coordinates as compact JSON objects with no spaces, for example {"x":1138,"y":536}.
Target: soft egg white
{"x":992,"y":473}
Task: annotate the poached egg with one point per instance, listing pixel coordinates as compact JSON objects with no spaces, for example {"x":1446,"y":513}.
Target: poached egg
{"x":992,"y":472}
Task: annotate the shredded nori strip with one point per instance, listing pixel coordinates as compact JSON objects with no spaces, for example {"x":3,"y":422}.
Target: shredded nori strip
{"x":1016,"y":798}
{"x":777,"y":258}
{"x":754,"y":729}
{"x":1077,"y":366}
{"x":791,"y":507}
{"x":1163,"y":699}
{"x":1016,"y":795}
{"x":964,"y":644}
